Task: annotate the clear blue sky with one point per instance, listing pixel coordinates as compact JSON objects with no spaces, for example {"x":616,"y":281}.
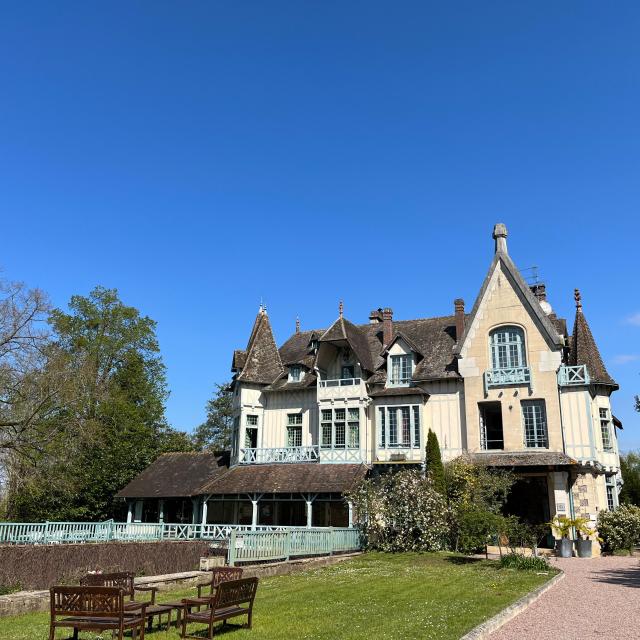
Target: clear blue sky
{"x":200,"y":156}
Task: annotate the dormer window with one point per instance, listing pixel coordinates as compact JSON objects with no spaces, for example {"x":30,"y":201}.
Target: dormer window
{"x":401,"y":370}
{"x":295,"y":373}
{"x":507,"y":348}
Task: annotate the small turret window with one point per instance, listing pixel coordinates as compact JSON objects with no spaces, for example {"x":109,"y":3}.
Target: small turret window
{"x":507,"y":348}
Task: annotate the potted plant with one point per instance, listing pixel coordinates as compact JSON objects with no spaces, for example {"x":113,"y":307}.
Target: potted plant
{"x":562,"y":527}
{"x":583,"y":543}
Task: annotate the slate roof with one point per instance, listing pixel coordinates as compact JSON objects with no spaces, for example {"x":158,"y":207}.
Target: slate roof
{"x":342,"y":329}
{"x":398,"y":391}
{"x":176,"y":475}
{"x":262,"y":362}
{"x":585,"y":351}
{"x":287,"y":478}
{"x":523,"y":459}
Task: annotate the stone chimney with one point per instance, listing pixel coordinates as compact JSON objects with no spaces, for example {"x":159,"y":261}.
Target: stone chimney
{"x":387,"y":326}
{"x":375,"y":316}
{"x":458,"y":305}
{"x":500,"y":236}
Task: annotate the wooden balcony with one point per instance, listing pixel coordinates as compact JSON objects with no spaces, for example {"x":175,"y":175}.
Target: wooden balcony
{"x":573,"y":376}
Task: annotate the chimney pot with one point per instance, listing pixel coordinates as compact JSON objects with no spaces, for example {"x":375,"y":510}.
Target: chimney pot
{"x":375,"y":316}
{"x":387,"y":326}
{"x":458,"y":305}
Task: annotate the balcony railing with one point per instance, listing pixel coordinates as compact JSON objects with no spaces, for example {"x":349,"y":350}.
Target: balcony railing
{"x":573,"y":376}
{"x":339,"y":382}
{"x":279,"y":455}
{"x":501,"y":377}
{"x":298,"y":454}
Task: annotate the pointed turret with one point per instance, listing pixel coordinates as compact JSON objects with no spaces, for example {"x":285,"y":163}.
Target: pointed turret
{"x":584,"y":349}
{"x":261,"y":361}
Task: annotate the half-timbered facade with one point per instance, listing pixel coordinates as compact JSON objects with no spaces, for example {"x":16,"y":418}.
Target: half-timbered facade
{"x":506,"y":384}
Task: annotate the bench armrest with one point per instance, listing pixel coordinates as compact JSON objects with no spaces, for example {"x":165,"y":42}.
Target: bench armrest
{"x":187,"y":602}
{"x":136,"y":606}
{"x":153,"y":591}
{"x":202,"y":586}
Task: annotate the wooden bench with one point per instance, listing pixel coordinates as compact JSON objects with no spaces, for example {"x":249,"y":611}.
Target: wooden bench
{"x":125,"y":580}
{"x":218,"y":575}
{"x":232,"y":599}
{"x":94,"y":609}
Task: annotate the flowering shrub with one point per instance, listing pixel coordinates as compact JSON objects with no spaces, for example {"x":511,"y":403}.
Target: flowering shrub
{"x":620,"y":528}
{"x":401,"y":512}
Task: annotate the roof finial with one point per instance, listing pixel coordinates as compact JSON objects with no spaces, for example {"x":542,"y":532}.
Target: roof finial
{"x":500,"y":236}
{"x":297,"y":324}
{"x":341,"y":308}
{"x":578,"y":298}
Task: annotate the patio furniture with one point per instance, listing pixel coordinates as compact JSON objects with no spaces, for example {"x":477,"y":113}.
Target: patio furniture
{"x":91,"y":608}
{"x":232,"y":599}
{"x":218,"y":575}
{"x":125,"y":580}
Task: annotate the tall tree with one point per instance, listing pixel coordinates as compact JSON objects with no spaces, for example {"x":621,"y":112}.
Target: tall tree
{"x":215,"y":433}
{"x":630,"y":469}
{"x":116,"y":427}
{"x":435,"y":468}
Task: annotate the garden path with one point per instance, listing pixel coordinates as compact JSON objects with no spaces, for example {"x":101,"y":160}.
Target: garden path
{"x":599,"y":599}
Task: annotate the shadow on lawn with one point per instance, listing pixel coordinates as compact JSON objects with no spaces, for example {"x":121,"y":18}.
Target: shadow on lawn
{"x":462,"y":560}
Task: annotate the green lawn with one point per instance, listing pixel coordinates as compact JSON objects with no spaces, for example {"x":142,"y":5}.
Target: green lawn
{"x":381,"y":596}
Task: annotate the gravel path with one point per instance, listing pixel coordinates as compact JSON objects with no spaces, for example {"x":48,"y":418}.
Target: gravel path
{"x":599,"y":599}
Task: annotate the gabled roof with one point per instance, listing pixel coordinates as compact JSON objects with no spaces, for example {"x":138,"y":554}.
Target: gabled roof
{"x":342,"y":329}
{"x":176,"y":475}
{"x":399,"y":335}
{"x":262,"y":361}
{"x":545,"y":324}
{"x":585,"y":351}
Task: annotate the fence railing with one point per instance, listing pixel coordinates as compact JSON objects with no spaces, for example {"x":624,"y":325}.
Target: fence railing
{"x":81,"y":532}
{"x":260,"y":546}
{"x":501,"y":377}
{"x":278,"y":454}
{"x":574,"y":375}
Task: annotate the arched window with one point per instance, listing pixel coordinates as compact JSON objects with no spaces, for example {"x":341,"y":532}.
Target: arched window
{"x":507,"y":348}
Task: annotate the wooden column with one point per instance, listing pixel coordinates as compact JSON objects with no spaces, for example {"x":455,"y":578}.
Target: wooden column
{"x":129,"y":512}
{"x":350,"y":514}
{"x":204,"y":510}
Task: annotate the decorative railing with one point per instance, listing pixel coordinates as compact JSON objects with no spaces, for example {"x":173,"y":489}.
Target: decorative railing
{"x":501,"y":377}
{"x":257,"y":546}
{"x":278,"y":454}
{"x":573,"y":376}
{"x":339,"y":382}
{"x":86,"y":532}
{"x":340,"y":455}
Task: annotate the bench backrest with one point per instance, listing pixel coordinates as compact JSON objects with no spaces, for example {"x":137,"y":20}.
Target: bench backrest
{"x":87,"y":601}
{"x":123,"y":580}
{"x":224,"y":574}
{"x":235,"y":592}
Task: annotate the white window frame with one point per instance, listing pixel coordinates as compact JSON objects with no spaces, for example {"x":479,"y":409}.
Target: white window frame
{"x":405,"y":369}
{"x":393,"y":430}
{"x":250,"y":425}
{"x":340,"y":428}
{"x":606,"y":432}
{"x":294,"y":429}
{"x":507,"y":351}
{"x":611,"y":489}
{"x":540,"y":434}
{"x":295,"y":373}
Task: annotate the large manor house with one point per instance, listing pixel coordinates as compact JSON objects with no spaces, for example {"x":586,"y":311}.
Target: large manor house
{"x":505,"y":384}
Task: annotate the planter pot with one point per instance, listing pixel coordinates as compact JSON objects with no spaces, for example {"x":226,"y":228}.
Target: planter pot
{"x":564,"y":548}
{"x":583,"y":547}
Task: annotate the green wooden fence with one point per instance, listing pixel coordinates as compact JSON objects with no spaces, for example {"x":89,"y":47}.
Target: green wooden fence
{"x":261,"y":546}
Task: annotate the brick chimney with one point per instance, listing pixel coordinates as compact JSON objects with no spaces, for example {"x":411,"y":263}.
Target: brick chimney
{"x":458,"y":305}
{"x":387,"y":326}
{"x":539,"y":290}
{"x":375,"y":316}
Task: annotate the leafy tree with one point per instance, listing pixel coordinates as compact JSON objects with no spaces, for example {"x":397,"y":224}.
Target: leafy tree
{"x":630,"y":469}
{"x":435,"y":468}
{"x":115,"y":427}
{"x":215,"y":433}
